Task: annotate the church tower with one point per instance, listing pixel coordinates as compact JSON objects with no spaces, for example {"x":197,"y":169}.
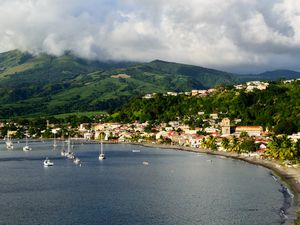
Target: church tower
{"x":225,"y":125}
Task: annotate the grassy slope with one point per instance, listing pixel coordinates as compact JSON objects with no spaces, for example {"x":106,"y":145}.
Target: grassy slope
{"x":51,"y":85}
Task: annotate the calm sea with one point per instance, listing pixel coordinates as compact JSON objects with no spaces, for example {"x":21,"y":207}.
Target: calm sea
{"x":175,"y":188}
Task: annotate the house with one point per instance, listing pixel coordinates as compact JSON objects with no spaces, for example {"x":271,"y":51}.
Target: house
{"x":214,"y":116}
{"x":170,"y":93}
{"x":250,"y":130}
{"x":88,"y":136}
{"x":295,"y":137}
{"x":84,"y":127}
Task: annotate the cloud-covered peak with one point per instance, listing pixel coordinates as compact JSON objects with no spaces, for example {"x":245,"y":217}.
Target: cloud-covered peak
{"x":235,"y":35}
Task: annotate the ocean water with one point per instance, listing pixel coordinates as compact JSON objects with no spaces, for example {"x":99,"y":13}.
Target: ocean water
{"x":175,"y":188}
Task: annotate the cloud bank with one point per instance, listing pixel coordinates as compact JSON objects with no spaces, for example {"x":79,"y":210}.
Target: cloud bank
{"x":235,"y":35}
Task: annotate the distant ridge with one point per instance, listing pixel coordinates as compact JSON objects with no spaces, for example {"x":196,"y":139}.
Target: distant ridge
{"x":46,"y":85}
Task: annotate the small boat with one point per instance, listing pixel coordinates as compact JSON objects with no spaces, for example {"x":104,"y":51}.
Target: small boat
{"x":77,"y":160}
{"x":47,"y":162}
{"x":101,"y":156}
{"x":26,"y":148}
{"x":135,"y":150}
{"x":146,"y":163}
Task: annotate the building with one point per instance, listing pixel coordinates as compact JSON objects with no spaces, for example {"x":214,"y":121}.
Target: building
{"x":225,"y":126}
{"x":250,"y":130}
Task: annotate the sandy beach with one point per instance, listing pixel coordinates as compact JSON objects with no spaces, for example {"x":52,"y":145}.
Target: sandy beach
{"x":291,"y":176}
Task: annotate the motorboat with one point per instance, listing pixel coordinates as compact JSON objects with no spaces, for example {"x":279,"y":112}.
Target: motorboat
{"x":26,"y":148}
{"x":47,"y":162}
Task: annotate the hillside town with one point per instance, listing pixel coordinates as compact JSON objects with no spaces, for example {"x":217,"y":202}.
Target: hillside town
{"x":173,"y":133}
{"x":213,"y":131}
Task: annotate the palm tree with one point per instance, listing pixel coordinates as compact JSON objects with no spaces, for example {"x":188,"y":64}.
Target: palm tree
{"x":235,"y":145}
{"x":281,"y":147}
{"x":211,"y":143}
{"x":225,"y":143}
{"x":286,"y":150}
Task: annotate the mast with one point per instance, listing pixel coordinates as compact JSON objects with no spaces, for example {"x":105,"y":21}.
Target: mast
{"x":63,"y":145}
{"x":101,"y":148}
{"x":54,"y":141}
{"x":69,"y":147}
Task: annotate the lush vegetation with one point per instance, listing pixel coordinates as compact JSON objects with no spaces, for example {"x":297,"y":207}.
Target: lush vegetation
{"x":282,"y":148}
{"x":276,"y":109}
{"x":44,"y":85}
{"x":33,"y":86}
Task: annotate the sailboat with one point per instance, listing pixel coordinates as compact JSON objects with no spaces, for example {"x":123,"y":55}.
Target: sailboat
{"x":101,"y":156}
{"x":26,"y":148}
{"x":63,"y":152}
{"x":9,"y":143}
{"x":70,"y":154}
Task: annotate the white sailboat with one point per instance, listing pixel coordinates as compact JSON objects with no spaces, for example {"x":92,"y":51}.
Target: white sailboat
{"x":9,"y":143}
{"x":70,"y":154}
{"x":63,"y":152}
{"x":101,"y":155}
{"x":26,"y":148}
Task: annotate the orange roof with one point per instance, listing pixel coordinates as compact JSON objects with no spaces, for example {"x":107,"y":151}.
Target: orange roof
{"x":249,"y":128}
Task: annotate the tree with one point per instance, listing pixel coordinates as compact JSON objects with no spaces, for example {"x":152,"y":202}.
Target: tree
{"x":225,"y":143}
{"x":235,"y":145}
{"x":282,"y":148}
{"x":210,"y":142}
{"x":248,"y":146}
{"x":285,"y":127}
{"x":244,"y":135}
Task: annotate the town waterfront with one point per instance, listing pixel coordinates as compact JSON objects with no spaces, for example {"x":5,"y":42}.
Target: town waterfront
{"x":175,"y":188}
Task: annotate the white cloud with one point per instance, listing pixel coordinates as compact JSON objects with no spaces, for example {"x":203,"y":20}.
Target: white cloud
{"x":233,"y":34}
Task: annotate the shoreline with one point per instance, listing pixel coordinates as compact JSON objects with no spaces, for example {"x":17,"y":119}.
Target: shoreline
{"x":290,"y":176}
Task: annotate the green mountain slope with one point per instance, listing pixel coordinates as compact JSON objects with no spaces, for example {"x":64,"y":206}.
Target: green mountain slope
{"x":45,"y":85}
{"x":276,"y":108}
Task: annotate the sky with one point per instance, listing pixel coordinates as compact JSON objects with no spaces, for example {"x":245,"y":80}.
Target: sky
{"x":242,"y":36}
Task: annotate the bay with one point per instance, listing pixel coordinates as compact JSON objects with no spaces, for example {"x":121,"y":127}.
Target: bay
{"x":174,"y":188}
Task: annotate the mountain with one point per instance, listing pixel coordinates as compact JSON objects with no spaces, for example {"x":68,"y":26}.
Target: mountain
{"x":46,"y":85}
{"x":271,"y":75}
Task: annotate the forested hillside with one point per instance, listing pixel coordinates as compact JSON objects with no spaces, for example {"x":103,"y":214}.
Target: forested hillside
{"x":47,"y":85}
{"x":276,"y":108}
